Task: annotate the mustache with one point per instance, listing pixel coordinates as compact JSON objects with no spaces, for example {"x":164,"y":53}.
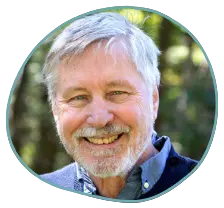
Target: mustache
{"x":99,"y":132}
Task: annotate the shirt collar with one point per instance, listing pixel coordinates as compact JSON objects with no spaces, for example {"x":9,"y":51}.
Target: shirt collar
{"x":83,"y":178}
{"x":152,"y":169}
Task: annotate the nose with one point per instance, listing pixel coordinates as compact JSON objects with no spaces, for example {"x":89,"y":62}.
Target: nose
{"x":99,"y":114}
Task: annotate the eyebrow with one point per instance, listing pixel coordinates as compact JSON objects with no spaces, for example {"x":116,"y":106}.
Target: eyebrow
{"x":115,"y":83}
{"x":120,"y":83}
{"x":71,"y":90}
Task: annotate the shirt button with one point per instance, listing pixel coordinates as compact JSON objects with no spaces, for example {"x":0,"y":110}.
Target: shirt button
{"x":146,"y":185}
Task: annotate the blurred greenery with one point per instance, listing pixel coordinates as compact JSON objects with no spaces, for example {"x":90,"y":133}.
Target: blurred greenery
{"x":187,"y":98}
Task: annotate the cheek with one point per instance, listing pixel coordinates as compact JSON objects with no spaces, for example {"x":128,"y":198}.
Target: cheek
{"x":69,"y":120}
{"x":131,"y":115}
{"x":137,"y":115}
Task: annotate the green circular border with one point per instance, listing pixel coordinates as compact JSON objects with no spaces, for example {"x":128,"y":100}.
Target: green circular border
{"x":100,"y":197}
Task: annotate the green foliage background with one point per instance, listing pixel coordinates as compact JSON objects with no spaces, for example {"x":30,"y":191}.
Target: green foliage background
{"x":187,"y":97}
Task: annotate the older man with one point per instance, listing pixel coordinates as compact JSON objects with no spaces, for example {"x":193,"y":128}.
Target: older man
{"x":102,"y":79}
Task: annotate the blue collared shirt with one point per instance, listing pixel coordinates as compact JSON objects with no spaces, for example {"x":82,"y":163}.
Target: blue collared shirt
{"x":148,"y":173}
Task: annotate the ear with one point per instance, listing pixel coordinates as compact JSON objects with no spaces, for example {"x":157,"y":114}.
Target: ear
{"x":155,"y":102}
{"x":54,"y":111}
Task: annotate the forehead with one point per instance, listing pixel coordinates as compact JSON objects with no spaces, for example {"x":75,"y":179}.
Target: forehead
{"x":98,"y":60}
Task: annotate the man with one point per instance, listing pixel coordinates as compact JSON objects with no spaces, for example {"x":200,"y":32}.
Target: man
{"x":102,"y":79}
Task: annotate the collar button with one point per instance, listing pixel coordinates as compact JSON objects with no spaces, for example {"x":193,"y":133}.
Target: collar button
{"x":146,"y":185}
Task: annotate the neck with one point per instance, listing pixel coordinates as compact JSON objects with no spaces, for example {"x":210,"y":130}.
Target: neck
{"x":110,"y":187}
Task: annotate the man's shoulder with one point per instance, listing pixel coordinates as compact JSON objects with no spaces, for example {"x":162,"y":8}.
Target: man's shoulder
{"x":64,"y":177}
{"x":174,"y":162}
{"x":176,"y":168}
{"x":179,"y":162}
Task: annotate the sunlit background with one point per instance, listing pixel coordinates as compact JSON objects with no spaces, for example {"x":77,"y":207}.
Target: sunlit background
{"x":187,"y":98}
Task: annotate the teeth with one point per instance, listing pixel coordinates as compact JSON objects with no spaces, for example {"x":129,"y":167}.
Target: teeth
{"x":105,"y":140}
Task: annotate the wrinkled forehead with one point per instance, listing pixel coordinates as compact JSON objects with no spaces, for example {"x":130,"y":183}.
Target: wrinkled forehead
{"x":98,"y":66}
{"x":118,"y":50}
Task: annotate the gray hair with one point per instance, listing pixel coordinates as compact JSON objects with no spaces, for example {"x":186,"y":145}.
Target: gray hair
{"x":108,"y":26}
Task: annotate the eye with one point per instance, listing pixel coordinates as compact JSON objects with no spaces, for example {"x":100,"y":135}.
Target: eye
{"x":79,"y":101}
{"x":117,"y":93}
{"x":79,"y":97}
{"x":117,"y":96}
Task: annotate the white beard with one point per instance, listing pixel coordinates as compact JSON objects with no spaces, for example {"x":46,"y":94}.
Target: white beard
{"x":109,"y":166}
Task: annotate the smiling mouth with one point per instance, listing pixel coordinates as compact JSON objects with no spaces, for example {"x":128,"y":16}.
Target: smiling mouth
{"x":103,"y":140}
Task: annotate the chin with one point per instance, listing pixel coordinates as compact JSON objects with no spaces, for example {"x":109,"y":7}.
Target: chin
{"x":103,"y":167}
{"x":108,"y":168}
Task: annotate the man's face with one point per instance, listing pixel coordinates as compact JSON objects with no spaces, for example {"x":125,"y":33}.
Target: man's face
{"x":103,"y":111}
